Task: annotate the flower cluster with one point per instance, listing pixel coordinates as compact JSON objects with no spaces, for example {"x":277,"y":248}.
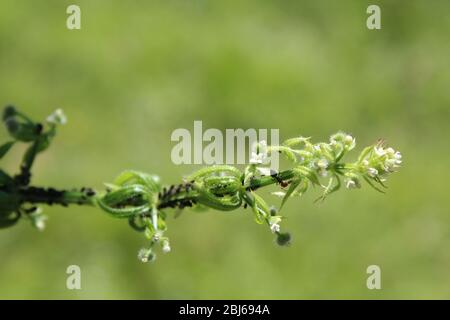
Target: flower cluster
{"x":314,"y":162}
{"x":374,"y":165}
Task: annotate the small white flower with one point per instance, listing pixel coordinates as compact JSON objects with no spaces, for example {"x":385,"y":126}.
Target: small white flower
{"x":157,"y":236}
{"x":166,"y":247}
{"x":390,"y":164}
{"x":352,"y":184}
{"x":372,"y":172}
{"x":380,"y":151}
{"x":38,"y":219}
{"x":144,"y":254}
{"x":349,"y":139}
{"x":398,"y":155}
{"x":57,"y":117}
{"x":365,"y":162}
{"x":275,"y":227}
{"x":350,"y":142}
{"x":40,"y":224}
{"x":322,"y":163}
{"x":259,"y":153}
{"x":390,"y":151}
{"x":337,"y":137}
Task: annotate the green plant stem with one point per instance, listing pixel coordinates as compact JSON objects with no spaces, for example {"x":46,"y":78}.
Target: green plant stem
{"x":25,"y":169}
{"x":257,"y":183}
{"x":50,"y":196}
{"x":38,"y":195}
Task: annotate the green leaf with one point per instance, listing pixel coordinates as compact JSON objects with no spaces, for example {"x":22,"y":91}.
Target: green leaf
{"x":130,"y":177}
{"x":5,"y":179}
{"x":9,"y":219}
{"x":364,"y":153}
{"x":126,"y":202}
{"x":308,"y":173}
{"x":260,"y":208}
{"x":330,"y":188}
{"x":292,"y":187}
{"x":25,"y":132}
{"x":9,"y":111}
{"x":286,"y":151}
{"x":123,"y":212}
{"x":261,"y":203}
{"x":8,"y":202}
{"x":43,"y":142}
{"x":372,"y":185}
{"x":249,"y":198}
{"x":137,"y":223}
{"x":377,"y":179}
{"x":5,"y":148}
{"x":222,"y":184}
{"x":111,"y":187}
{"x":225,"y":203}
{"x":296,"y":141}
{"x":207,"y":171}
{"x":121,"y":196}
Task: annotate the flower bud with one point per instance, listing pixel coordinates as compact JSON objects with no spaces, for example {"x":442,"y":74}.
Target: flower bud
{"x":352,"y":181}
{"x":146,"y":255}
{"x":38,"y":219}
{"x":349,"y":142}
{"x":322,"y":163}
{"x":372,"y":172}
{"x":8,"y":112}
{"x":275,"y":227}
{"x":284,"y":239}
{"x":273,"y":211}
{"x":166,"y":246}
{"x":57,"y":117}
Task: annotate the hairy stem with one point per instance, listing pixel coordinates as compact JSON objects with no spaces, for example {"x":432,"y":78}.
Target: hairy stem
{"x":87,"y":196}
{"x":50,"y":196}
{"x":257,"y":183}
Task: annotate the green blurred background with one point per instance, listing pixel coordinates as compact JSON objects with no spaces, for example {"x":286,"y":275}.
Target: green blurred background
{"x":137,"y":70}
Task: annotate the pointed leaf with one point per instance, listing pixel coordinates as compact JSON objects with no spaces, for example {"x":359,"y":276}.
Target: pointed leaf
{"x":372,"y":185}
{"x":292,"y":187}
{"x":5,"y":148}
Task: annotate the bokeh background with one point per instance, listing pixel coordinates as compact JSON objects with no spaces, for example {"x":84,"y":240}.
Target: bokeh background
{"x":137,"y":70}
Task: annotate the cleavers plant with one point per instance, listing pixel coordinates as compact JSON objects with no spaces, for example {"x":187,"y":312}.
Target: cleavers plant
{"x":141,"y":199}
